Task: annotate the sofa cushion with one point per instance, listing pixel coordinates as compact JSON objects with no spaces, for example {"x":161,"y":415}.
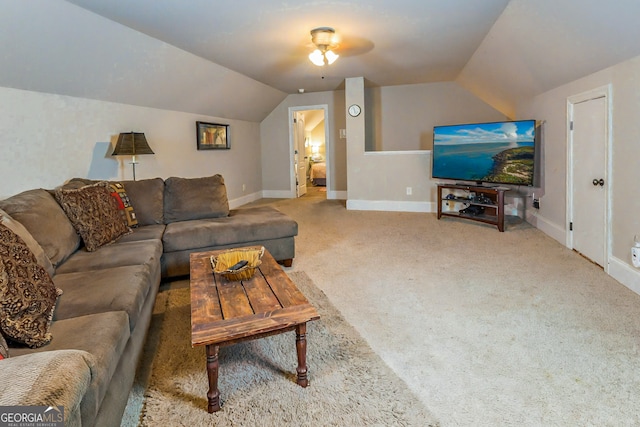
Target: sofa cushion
{"x":143,"y":252}
{"x":34,"y":246}
{"x":99,"y":291}
{"x":195,"y":198}
{"x":241,"y":226}
{"x":104,"y":336}
{"x":93,"y":213}
{"x":145,"y":232}
{"x":27,"y":293}
{"x":147,"y":197}
{"x":38,"y":211}
{"x":123,"y":203}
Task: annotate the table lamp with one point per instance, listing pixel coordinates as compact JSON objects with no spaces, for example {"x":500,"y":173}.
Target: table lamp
{"x":132,"y":144}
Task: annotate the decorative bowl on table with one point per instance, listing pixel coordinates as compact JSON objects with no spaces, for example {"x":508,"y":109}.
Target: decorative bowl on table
{"x":237,"y":264}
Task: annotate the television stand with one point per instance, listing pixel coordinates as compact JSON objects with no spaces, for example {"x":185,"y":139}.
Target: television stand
{"x":473,"y":202}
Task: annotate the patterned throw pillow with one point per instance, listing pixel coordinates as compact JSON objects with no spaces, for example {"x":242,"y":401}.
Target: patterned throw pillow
{"x":93,"y":213}
{"x":124,"y":204}
{"x":27,"y":293}
{"x":4,"y":348}
{"x":24,"y":234}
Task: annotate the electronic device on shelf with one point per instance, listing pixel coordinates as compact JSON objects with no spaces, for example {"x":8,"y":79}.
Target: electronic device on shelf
{"x":485,"y":153}
{"x":481,"y":198}
{"x":477,"y":203}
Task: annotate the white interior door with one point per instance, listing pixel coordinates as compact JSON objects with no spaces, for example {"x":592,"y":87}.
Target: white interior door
{"x":300,"y":160}
{"x":589,"y":180}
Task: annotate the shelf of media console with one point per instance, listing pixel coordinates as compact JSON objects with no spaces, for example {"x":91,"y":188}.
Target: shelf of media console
{"x":496,"y":194}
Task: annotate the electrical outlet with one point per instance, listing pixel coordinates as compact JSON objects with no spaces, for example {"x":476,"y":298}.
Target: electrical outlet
{"x":536,"y":203}
{"x":244,"y":188}
{"x":409,"y":191}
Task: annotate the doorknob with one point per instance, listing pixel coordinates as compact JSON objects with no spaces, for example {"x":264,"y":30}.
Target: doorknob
{"x":599,"y":182}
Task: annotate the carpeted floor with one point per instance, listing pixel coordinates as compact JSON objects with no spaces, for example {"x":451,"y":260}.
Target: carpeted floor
{"x":486,"y":328}
{"x":350,"y":385}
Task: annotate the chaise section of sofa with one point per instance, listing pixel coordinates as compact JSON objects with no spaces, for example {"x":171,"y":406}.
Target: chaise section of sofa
{"x":200,"y":220}
{"x":193,"y":215}
{"x":264,"y":226}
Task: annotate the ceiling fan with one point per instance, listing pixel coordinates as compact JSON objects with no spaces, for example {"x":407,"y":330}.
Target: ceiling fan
{"x":324,"y":38}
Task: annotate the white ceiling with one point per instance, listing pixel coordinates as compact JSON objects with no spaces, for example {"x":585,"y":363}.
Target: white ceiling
{"x":251,"y":53}
{"x":388,"y":42}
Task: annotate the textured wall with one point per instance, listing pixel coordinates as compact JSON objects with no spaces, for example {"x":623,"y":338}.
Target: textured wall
{"x":47,"y":139}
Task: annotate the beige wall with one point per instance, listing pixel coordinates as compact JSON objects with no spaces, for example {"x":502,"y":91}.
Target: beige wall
{"x":274,"y":135}
{"x":398,"y":121}
{"x":378,"y":180}
{"x":47,"y":139}
{"x":625,"y":147}
{"x":402,"y":117}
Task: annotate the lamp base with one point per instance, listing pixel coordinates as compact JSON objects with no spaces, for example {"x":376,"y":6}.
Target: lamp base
{"x":133,"y":164}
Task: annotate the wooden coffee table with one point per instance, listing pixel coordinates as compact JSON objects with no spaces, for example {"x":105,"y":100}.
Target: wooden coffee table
{"x":225,"y":312}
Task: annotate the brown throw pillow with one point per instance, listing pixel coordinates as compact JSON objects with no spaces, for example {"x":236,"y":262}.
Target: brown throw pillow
{"x":27,"y":293}
{"x":24,"y":234}
{"x":124,"y":204}
{"x":93,"y":213}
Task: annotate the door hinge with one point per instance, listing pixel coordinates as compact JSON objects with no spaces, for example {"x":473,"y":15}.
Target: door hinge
{"x":295,"y":120}
{"x":571,"y":125}
{"x":571,"y":226}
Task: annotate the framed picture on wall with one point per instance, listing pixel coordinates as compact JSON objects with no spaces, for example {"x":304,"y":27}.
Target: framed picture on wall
{"x":212,"y":136}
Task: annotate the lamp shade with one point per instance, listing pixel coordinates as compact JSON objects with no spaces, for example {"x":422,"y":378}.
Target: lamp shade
{"x":331,"y":56}
{"x":131,"y":144}
{"x":317,"y":58}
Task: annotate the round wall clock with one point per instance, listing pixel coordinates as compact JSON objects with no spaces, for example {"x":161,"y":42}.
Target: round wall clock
{"x":354,"y":110}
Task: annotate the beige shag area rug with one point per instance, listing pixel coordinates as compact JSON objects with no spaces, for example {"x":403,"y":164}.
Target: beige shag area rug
{"x":349,"y":384}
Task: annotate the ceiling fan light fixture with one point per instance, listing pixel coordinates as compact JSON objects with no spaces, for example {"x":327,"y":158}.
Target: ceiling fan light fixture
{"x":317,"y":58}
{"x":331,"y":57}
{"x":323,"y":38}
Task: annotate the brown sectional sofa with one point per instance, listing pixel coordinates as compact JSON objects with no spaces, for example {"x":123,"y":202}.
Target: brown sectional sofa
{"x":101,"y":319}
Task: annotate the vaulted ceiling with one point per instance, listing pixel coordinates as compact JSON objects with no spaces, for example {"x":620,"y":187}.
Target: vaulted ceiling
{"x":388,"y":42}
{"x":502,"y":50}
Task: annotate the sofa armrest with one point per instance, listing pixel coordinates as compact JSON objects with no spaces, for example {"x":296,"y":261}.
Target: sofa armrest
{"x":48,"y":378}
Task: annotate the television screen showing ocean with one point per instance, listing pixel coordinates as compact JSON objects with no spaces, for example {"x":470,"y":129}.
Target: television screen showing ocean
{"x":468,"y":161}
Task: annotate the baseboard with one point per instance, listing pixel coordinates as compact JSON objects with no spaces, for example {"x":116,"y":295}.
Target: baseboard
{"x":549,"y":228}
{"x":336,"y":195}
{"x":244,"y":200}
{"x":389,"y":205}
{"x":277,"y":194}
{"x":618,"y":269}
{"x":625,"y":274}
{"x":285,"y":194}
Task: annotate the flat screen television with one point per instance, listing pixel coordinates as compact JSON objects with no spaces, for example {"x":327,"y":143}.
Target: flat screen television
{"x":494,"y":153}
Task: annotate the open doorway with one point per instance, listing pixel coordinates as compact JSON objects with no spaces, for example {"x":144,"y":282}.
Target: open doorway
{"x":309,"y":148}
